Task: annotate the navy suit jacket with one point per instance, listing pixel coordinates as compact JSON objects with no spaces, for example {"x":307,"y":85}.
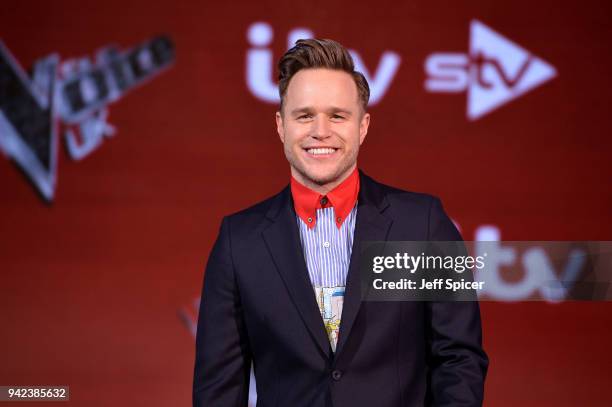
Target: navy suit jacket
{"x":258,"y":306}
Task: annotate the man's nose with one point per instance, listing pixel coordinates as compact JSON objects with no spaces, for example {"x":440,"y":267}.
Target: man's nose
{"x":320,"y":127}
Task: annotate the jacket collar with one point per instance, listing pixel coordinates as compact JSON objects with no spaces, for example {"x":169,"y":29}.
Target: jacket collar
{"x":370,"y":194}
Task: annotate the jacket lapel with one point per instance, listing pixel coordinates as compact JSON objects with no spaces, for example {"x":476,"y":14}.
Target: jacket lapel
{"x":283,"y":242}
{"x":370,"y":225}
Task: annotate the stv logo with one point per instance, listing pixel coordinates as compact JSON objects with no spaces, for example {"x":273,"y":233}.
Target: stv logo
{"x":495,"y":71}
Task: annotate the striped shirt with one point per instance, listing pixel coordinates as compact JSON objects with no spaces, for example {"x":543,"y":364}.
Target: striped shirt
{"x":327,"y":251}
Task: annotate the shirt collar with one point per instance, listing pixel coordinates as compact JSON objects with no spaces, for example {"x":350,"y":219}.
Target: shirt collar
{"x":342,"y":198}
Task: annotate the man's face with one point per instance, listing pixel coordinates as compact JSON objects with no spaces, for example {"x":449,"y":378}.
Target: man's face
{"x":322,"y":126}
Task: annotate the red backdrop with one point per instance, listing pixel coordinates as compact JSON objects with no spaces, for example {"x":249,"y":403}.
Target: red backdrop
{"x":98,"y":288}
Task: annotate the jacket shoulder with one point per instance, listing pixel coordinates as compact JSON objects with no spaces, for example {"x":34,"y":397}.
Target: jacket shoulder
{"x":254,"y":217}
{"x":401,"y":197}
{"x":419,"y":213}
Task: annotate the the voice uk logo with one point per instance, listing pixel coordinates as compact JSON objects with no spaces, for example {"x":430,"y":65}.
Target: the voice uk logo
{"x":72,"y":95}
{"x":494,"y":72}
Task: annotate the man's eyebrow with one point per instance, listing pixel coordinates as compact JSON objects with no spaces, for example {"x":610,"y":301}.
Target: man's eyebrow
{"x":306,"y":109}
{"x":334,"y":109}
{"x":330,"y":110}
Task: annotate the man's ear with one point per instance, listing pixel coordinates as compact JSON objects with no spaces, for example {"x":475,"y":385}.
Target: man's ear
{"x":363,"y":127}
{"x":279,"y":127}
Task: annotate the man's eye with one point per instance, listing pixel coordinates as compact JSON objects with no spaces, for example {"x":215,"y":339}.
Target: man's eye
{"x":337,"y":116}
{"x":305,"y":116}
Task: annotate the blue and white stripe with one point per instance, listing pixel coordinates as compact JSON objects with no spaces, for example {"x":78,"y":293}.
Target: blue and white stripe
{"x":327,"y":248}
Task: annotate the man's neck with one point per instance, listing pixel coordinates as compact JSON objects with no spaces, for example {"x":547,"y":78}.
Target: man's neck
{"x":323,"y":189}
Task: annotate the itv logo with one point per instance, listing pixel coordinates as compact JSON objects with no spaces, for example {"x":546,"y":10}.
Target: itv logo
{"x":260,"y":64}
{"x":495,"y":71}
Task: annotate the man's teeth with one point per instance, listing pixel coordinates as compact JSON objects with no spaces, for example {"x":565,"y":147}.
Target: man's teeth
{"x":316,"y":151}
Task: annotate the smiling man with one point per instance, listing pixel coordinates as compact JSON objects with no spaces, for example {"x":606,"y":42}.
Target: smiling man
{"x":322,"y":122}
{"x":281,"y":288}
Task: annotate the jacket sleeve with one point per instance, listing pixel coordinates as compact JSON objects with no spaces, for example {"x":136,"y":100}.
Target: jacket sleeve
{"x":223,"y":358}
{"x":457,"y":361}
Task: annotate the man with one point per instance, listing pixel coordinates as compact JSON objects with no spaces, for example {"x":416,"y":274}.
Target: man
{"x":281,"y":287}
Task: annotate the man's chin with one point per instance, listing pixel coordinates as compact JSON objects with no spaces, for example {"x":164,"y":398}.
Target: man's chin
{"x":322,"y":177}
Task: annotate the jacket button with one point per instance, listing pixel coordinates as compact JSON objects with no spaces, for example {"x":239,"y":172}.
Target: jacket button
{"x":336,"y":375}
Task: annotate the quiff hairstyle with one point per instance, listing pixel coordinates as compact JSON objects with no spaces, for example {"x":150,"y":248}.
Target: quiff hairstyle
{"x":319,"y":53}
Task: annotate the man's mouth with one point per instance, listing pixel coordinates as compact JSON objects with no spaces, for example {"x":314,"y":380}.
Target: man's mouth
{"x":321,"y":151}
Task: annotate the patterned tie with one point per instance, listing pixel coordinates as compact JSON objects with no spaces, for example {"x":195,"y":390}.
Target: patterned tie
{"x":330,"y":300}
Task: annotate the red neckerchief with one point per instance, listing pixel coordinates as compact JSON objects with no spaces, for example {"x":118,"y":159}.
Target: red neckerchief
{"x":342,"y":198}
